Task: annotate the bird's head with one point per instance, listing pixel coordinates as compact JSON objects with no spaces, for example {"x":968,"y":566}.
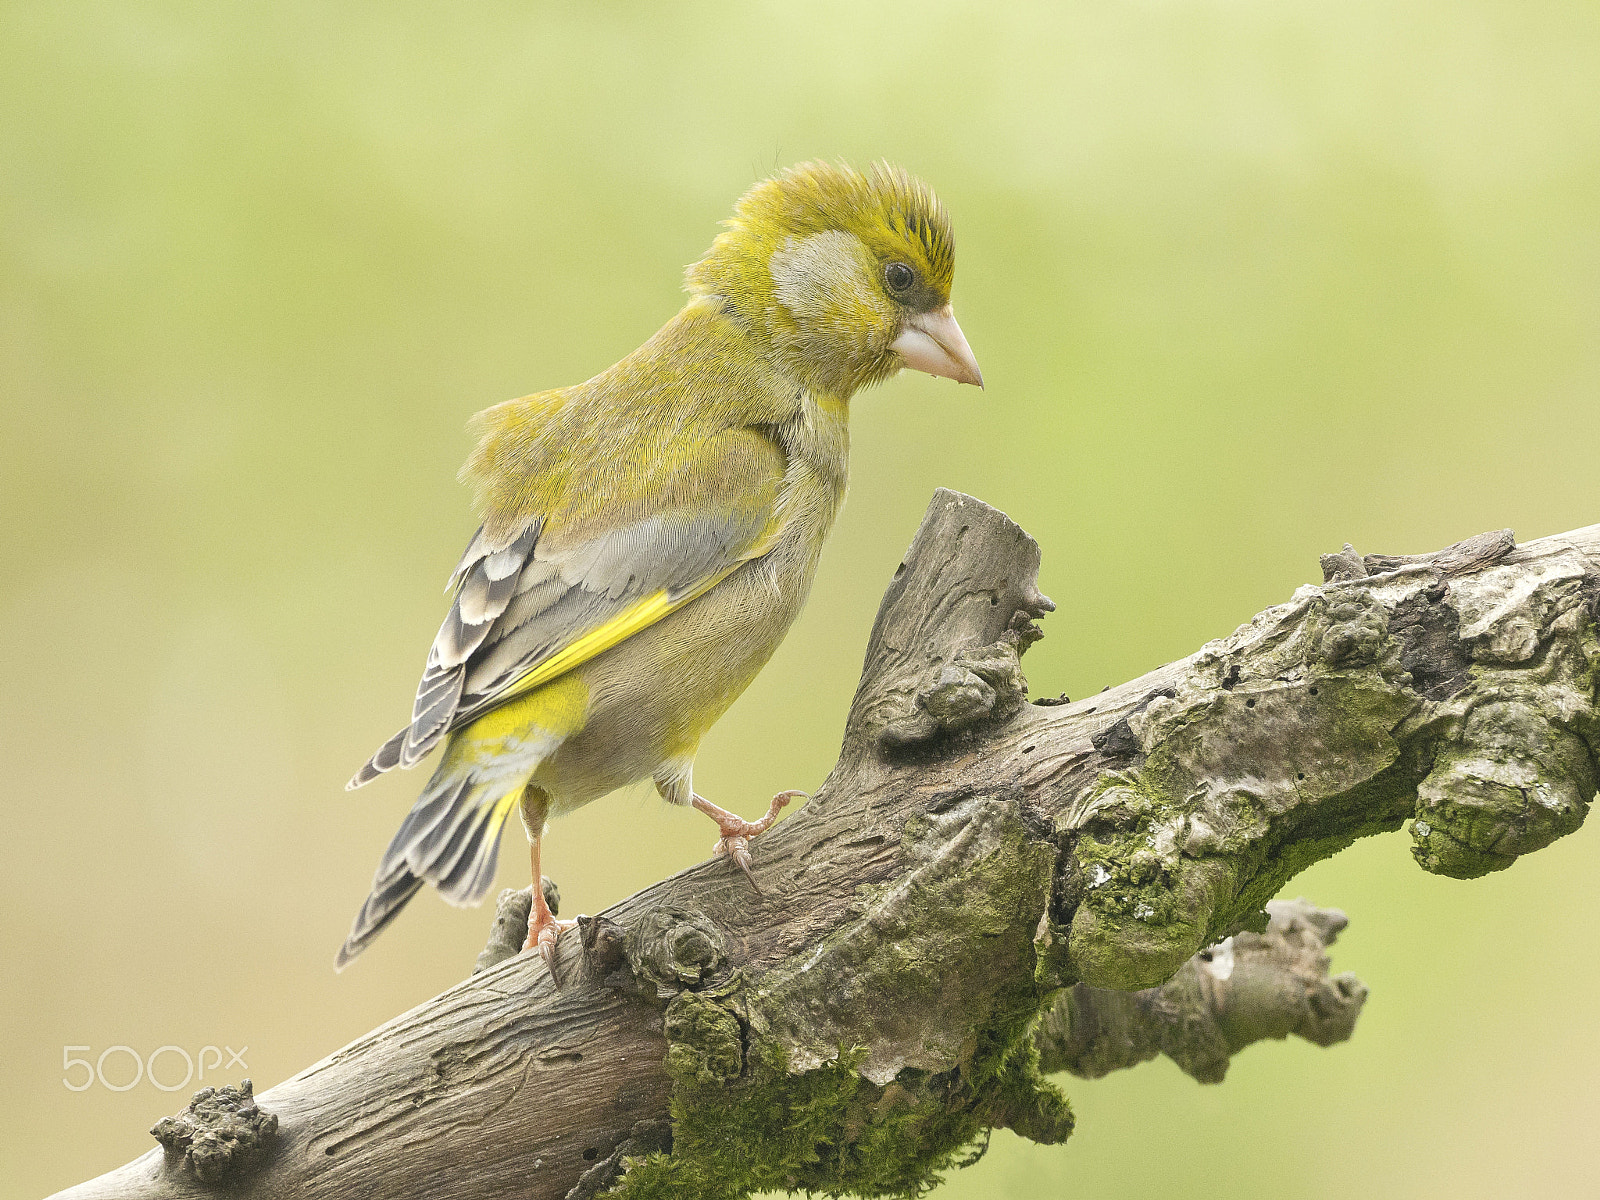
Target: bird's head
{"x":847,"y":276}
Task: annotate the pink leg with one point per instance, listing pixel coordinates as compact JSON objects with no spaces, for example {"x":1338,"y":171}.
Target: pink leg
{"x":543,"y":928}
{"x":737,"y":832}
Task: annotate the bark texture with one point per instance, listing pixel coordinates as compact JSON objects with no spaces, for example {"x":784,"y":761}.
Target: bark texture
{"x":975,"y":863}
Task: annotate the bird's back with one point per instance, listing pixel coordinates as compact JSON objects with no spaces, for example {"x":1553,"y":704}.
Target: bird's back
{"x":614,"y":447}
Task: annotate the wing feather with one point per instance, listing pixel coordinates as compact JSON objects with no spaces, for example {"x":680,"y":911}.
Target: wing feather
{"x":482,"y":597}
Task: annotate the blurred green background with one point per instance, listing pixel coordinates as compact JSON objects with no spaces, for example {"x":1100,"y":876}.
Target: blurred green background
{"x":1247,"y":279}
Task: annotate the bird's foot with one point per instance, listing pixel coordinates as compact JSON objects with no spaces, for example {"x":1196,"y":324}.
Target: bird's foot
{"x":542,"y":935}
{"x":737,"y":832}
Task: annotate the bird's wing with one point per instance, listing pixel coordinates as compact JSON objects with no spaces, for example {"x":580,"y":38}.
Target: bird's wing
{"x":534,"y":604}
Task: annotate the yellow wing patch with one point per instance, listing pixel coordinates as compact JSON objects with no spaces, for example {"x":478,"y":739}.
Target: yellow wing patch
{"x":638,"y":615}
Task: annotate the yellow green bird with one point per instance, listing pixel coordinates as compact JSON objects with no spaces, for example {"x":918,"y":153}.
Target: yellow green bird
{"x":650,"y":535}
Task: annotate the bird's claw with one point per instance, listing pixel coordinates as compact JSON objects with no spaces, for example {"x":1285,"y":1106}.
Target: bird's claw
{"x":736,"y":834}
{"x":542,"y":937}
{"x":738,"y":849}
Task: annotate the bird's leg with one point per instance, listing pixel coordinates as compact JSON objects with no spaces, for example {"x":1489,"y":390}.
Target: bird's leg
{"x":543,"y":928}
{"x":737,"y":832}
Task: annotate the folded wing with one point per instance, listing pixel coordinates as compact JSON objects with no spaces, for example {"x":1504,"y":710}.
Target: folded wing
{"x":551,"y":592}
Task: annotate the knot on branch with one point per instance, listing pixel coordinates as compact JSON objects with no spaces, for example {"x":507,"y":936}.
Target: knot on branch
{"x":1356,"y":631}
{"x":671,"y":949}
{"x":985,"y":684}
{"x":222,"y":1136}
{"x":1511,"y":784}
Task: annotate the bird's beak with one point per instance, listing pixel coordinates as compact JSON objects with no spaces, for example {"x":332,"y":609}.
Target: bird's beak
{"x":933,"y":342}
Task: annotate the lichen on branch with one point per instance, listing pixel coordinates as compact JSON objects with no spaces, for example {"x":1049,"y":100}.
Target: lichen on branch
{"x":1463,"y":702}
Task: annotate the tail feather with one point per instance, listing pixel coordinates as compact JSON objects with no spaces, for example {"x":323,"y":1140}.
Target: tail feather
{"x":475,"y":885}
{"x":438,"y":842}
{"x":454,"y":840}
{"x":386,"y":759}
{"x":469,"y":880}
{"x":450,"y":838}
{"x":433,"y":807}
{"x":380,"y":908}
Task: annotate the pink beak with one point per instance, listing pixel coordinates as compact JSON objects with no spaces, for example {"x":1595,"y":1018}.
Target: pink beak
{"x":933,"y":342}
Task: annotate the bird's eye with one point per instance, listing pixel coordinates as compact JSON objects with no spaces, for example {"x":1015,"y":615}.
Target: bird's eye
{"x":899,"y":277}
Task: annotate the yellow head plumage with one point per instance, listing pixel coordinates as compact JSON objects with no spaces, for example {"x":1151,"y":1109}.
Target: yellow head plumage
{"x":847,"y":275}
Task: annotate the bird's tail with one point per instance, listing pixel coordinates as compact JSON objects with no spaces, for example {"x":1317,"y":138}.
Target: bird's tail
{"x":451,"y":839}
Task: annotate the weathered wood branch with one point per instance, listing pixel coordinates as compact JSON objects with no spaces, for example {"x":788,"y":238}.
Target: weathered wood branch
{"x":1246,"y":988}
{"x":972,"y":863}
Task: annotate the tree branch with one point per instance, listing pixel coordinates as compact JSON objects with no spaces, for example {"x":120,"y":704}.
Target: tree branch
{"x":1246,"y":988}
{"x":972,"y":863}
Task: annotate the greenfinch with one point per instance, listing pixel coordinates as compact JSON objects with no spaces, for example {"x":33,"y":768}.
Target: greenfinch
{"x":649,"y":536}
